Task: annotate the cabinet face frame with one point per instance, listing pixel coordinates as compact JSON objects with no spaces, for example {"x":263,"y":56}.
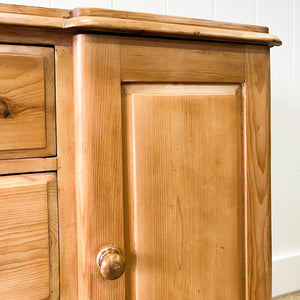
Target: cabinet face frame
{"x":101,"y":63}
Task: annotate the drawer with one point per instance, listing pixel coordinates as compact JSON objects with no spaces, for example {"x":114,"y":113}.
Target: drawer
{"x":27,"y":102}
{"x":28,"y":237}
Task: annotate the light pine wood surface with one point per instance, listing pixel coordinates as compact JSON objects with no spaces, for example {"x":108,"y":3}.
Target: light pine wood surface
{"x":31,"y":20}
{"x":38,"y":36}
{"x":35,"y":11}
{"x":184,"y":195}
{"x":131,"y":26}
{"x":152,"y":60}
{"x":172,"y":30}
{"x":144,"y":24}
{"x":27,"y":103}
{"x":251,"y":234}
{"x":258,"y":174}
{"x":28,"y":237}
{"x":121,"y":14}
{"x":163,"y":150}
{"x":28,"y":165}
{"x":98,"y":156}
{"x":66,"y":172}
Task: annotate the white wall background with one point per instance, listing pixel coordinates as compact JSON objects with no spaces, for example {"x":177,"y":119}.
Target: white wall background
{"x":283,"y":19}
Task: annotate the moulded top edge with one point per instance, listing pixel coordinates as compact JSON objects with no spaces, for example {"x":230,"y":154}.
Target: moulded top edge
{"x":122,"y":14}
{"x":151,"y":28}
{"x":106,"y":20}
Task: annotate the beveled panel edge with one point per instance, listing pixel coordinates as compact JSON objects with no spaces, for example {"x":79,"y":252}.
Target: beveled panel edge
{"x":129,"y":88}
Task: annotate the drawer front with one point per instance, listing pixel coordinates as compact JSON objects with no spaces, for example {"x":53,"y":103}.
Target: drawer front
{"x":28,"y":237}
{"x":27,"y":112}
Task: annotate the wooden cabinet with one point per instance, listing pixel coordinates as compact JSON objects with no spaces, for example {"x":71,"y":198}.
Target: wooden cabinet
{"x":162,"y":160}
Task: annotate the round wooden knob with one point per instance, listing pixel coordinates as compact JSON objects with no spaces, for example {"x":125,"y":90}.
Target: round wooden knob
{"x":111,"y":263}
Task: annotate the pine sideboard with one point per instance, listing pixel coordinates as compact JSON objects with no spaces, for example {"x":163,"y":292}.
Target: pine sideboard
{"x":134,"y":156}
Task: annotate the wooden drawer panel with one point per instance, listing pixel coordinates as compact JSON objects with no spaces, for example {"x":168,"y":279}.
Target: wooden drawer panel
{"x":27,"y":113}
{"x":28,"y":237}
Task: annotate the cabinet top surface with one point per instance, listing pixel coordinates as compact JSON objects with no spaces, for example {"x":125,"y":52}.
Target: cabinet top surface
{"x":144,"y":24}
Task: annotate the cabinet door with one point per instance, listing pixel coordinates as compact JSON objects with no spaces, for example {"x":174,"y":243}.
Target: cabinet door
{"x":28,"y":237}
{"x":173,"y":168}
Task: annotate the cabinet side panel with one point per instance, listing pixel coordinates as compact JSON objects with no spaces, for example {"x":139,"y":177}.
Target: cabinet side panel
{"x":257,"y":191}
{"x":98,"y":160}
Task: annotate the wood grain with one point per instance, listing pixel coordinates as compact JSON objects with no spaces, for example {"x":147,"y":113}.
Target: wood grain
{"x":157,"y":60}
{"x":22,"y":99}
{"x":27,"y":105}
{"x":192,"y":127}
{"x":133,"y":23}
{"x":34,"y":11}
{"x":28,"y":165}
{"x":129,"y":26}
{"x":66,"y":172}
{"x":28,"y":237}
{"x":183,"y":195}
{"x":35,"y":36}
{"x":54,"y":265}
{"x":31,"y":20}
{"x":98,"y":158}
{"x":120,"y":14}
{"x":258,"y":194}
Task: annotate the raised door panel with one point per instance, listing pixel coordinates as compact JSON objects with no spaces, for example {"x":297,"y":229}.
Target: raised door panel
{"x":183,"y":191}
{"x":28,"y":237}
